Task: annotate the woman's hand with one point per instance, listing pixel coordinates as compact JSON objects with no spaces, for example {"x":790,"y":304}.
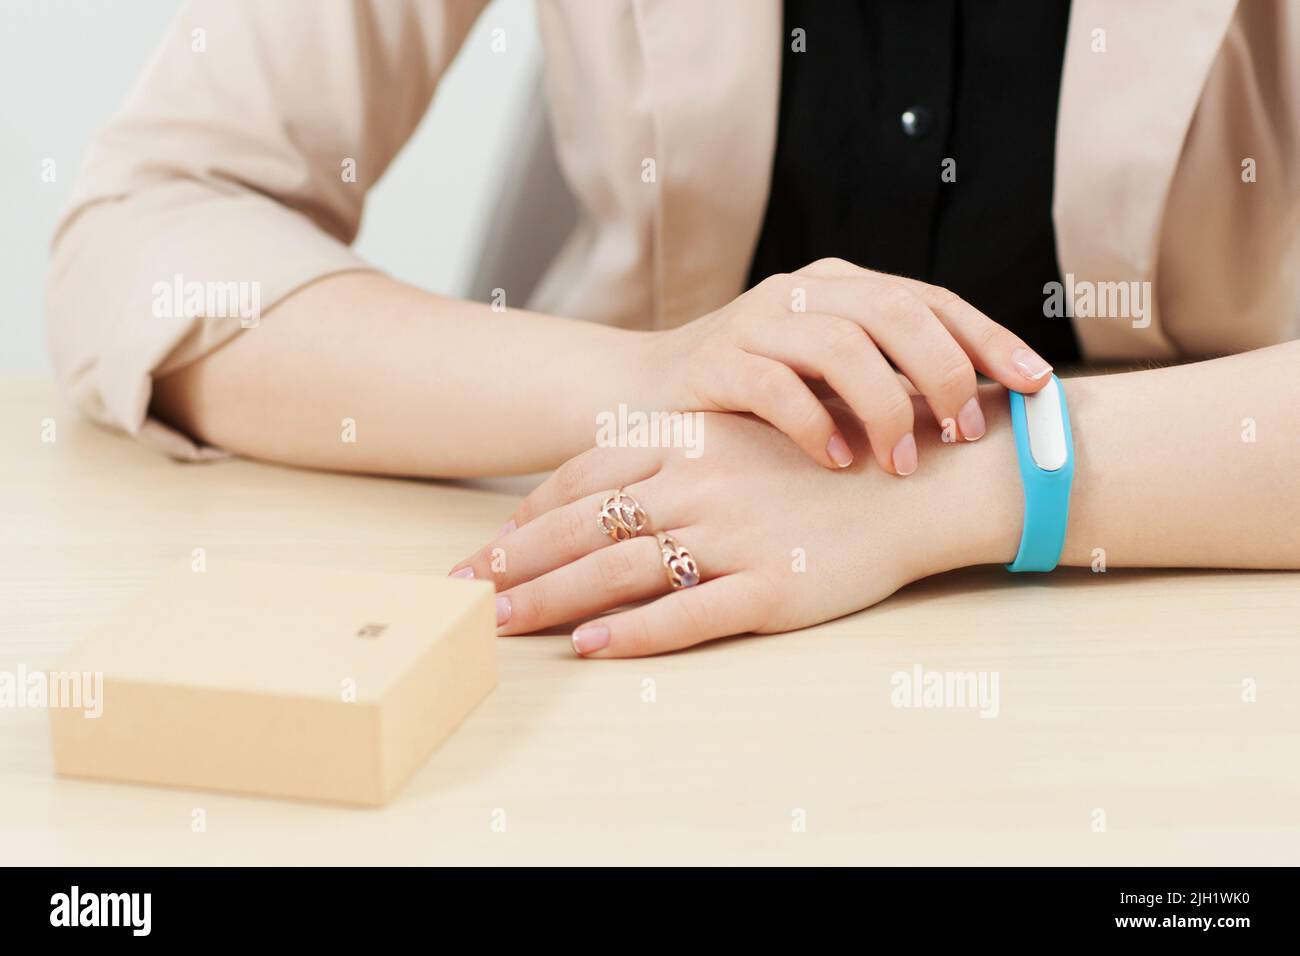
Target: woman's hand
{"x":780,"y":542}
{"x":836,"y":323}
{"x":516,"y":392}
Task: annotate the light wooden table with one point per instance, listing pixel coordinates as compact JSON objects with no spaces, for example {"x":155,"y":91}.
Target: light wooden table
{"x":1119,"y":693}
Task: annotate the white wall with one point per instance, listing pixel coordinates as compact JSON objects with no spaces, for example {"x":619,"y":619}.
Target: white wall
{"x":66,"y":66}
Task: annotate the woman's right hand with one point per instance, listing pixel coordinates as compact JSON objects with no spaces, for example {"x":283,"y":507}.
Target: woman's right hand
{"x":843,"y":325}
{"x":743,"y":511}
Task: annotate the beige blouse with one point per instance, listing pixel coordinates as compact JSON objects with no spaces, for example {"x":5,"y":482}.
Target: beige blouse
{"x":1177,"y":168}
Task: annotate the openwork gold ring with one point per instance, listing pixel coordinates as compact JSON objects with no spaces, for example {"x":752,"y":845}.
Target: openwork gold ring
{"x":621,"y":517}
{"x":679,"y":563}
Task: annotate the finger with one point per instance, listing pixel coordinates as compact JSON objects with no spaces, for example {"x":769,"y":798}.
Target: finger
{"x":593,"y":471}
{"x":823,"y":391}
{"x":840,"y":352}
{"x":610,"y":577}
{"x":718,"y":608}
{"x":567,"y":533}
{"x":904,"y":328}
{"x":552,"y":539}
{"x":773,"y":392}
{"x":996,"y":351}
{"x":835,"y":267}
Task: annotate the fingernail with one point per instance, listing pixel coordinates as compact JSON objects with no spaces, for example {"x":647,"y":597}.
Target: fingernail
{"x":971,"y":420}
{"x":839,"y":451}
{"x":506,"y":528}
{"x":503,"y":609}
{"x":904,"y":455}
{"x":590,"y":638}
{"x":1030,"y":364}
{"x":463,"y":573}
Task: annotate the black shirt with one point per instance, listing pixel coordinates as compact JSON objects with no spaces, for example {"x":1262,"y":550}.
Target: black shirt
{"x":884,"y":94}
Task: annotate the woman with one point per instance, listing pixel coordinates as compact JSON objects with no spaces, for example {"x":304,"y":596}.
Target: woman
{"x":776,"y":206}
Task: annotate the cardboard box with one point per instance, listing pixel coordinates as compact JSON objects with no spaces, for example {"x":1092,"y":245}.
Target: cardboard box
{"x":284,"y":681}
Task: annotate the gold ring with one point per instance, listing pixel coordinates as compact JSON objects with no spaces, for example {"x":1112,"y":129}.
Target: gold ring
{"x":680,"y":564}
{"x":621,"y":517}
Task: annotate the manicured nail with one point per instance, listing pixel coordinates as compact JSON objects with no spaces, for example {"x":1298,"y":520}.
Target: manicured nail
{"x":463,"y":573}
{"x":590,"y":638}
{"x":1030,"y":364}
{"x":971,"y":420}
{"x":503,"y":609}
{"x":506,"y":528}
{"x":905,"y":455}
{"x":839,"y":451}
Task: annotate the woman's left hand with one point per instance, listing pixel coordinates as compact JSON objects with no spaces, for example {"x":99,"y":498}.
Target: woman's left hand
{"x":779,"y":542}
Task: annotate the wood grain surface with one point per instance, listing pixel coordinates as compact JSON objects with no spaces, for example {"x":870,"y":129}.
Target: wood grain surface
{"x":1142,"y":717}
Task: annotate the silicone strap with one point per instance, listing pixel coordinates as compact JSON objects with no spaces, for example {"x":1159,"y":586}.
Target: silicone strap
{"x":1047,"y":490}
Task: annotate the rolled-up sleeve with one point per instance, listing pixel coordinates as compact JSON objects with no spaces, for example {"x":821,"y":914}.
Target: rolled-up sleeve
{"x":235,"y":174}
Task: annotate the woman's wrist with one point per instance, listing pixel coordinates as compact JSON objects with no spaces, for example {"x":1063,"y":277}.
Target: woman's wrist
{"x":993,"y":495}
{"x":967,"y":498}
{"x":615,"y":368}
{"x":986,"y":499}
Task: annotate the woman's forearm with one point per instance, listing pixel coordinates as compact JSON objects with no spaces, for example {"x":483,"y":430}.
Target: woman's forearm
{"x":1191,"y":466}
{"x":1166,"y":476}
{"x":359,"y":372}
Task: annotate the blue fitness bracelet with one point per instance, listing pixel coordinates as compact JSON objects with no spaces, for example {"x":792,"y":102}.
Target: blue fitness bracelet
{"x":1045,"y":448}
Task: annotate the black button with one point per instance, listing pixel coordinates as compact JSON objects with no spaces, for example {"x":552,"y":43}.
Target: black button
{"x":915,"y":121}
